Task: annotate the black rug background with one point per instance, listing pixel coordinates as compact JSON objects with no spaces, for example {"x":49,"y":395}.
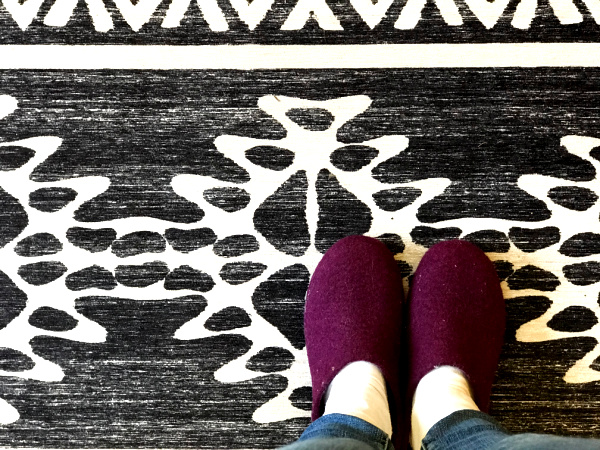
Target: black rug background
{"x":481,"y":128}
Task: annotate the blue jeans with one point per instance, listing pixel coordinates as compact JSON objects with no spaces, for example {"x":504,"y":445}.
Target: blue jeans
{"x":341,"y":432}
{"x":462,"y":430}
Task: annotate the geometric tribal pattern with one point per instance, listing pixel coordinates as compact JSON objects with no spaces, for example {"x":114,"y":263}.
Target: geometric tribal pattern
{"x":153,"y":277}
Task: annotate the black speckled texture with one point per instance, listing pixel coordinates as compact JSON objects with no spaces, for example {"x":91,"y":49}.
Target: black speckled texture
{"x":202,"y":219}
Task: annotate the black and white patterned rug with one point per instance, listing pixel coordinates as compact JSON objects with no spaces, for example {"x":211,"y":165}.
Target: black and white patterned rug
{"x":158,"y":228}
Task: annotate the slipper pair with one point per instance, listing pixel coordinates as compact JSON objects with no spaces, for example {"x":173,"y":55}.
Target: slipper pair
{"x":354,"y":312}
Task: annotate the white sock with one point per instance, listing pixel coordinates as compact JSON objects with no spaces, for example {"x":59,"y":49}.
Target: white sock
{"x":359,"y":390}
{"x":441,"y":392}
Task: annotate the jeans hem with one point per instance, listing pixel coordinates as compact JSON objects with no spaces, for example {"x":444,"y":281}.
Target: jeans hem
{"x":350,"y":427}
{"x":464,"y":429}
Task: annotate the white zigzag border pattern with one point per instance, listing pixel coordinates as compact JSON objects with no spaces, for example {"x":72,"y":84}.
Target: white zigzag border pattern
{"x":253,"y":13}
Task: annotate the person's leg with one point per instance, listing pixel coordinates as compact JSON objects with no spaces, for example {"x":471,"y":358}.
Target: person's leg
{"x":466,"y":429}
{"x":341,"y":432}
{"x":469,"y":429}
{"x":456,"y":331}
{"x":352,"y":329}
{"x":546,"y":442}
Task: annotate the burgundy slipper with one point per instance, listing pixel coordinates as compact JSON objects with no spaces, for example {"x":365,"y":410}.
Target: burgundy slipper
{"x":456,"y":317}
{"x":353,"y":313}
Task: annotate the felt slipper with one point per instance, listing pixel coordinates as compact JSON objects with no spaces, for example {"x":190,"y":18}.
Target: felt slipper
{"x":456,"y":318}
{"x":353,"y":313}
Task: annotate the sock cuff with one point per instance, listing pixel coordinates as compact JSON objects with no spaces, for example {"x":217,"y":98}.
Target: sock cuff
{"x":447,"y":379}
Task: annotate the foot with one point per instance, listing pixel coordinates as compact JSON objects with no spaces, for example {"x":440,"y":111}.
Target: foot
{"x":353,"y":313}
{"x":440,"y":393}
{"x":457,"y":319}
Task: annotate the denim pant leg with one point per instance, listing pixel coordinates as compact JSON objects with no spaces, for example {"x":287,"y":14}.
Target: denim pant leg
{"x":465,"y":430}
{"x":341,"y":432}
{"x":474,"y":430}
